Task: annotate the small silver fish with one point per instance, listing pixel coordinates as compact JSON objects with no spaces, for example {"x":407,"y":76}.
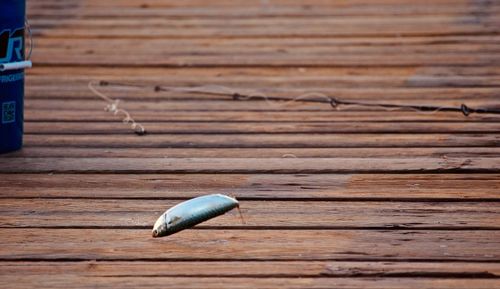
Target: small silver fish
{"x":189,"y":213}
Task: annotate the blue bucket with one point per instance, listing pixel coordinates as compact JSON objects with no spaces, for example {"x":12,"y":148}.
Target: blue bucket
{"x":12,"y":64}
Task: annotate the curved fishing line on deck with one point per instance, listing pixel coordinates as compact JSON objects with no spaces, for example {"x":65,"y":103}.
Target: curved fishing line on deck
{"x":112,"y":107}
{"x":311,"y":97}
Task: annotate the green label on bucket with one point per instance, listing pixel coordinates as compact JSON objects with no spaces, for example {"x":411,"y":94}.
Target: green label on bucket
{"x":8,"y":112}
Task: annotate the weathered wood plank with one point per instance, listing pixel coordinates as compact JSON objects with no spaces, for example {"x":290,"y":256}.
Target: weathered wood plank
{"x":87,"y":48}
{"x":459,"y":41}
{"x":219,"y":282}
{"x":291,"y":27}
{"x":106,"y":152}
{"x":284,"y":84}
{"x":411,"y":78}
{"x":174,"y":75}
{"x":66,"y":213}
{"x":294,"y":269}
{"x":241,"y":3}
{"x":430,"y":95}
{"x":434,"y":95}
{"x":198,"y":24}
{"x":112,"y":244}
{"x":248,"y":165}
{"x":215,"y":105}
{"x":256,"y":116}
{"x":255,"y":186}
{"x":264,"y":140}
{"x":256,"y":10}
{"x":39,"y":127}
{"x":272,"y":60}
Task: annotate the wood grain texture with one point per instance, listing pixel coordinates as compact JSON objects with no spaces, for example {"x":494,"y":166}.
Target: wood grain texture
{"x":257,"y":269}
{"x":342,"y":152}
{"x":354,"y":198}
{"x":381,"y":187}
{"x":61,"y":281}
{"x":324,"y":215}
{"x":248,"y":165}
{"x":281,"y":244}
{"x":296,"y":140}
{"x":198,"y":105}
{"x":441,"y":95}
{"x":156,"y":128}
{"x":246,"y":116}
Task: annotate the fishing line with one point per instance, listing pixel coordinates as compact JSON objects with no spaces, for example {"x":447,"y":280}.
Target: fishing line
{"x":30,"y":36}
{"x":112,"y":107}
{"x":310,"y":97}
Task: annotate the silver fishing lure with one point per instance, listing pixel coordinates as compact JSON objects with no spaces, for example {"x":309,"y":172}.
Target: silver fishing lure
{"x":189,"y":213}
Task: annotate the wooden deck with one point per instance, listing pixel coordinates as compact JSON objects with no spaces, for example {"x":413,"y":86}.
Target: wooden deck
{"x":355,"y":198}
